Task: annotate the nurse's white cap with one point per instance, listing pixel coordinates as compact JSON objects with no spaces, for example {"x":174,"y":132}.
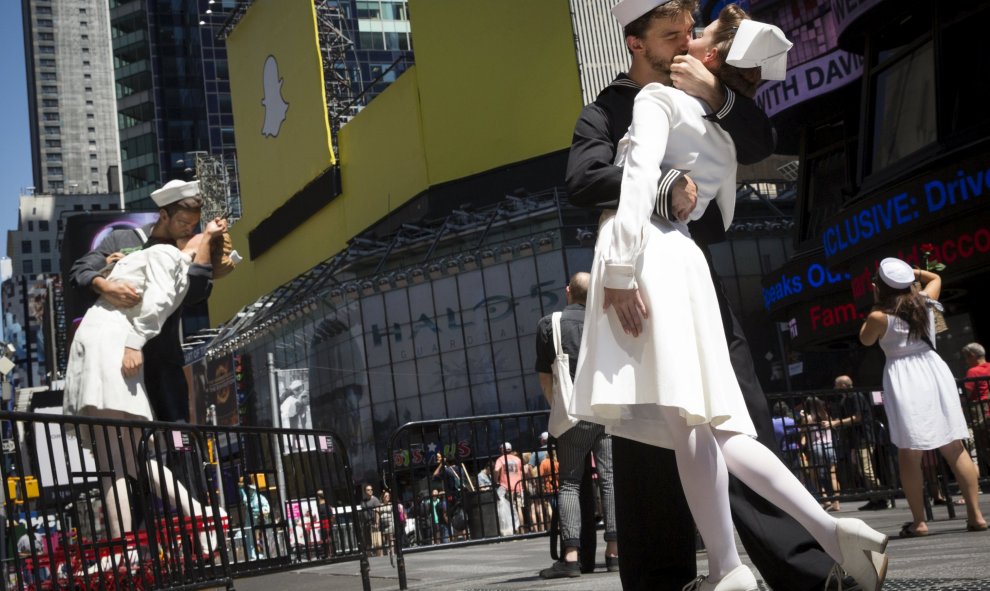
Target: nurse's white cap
{"x":760,"y":44}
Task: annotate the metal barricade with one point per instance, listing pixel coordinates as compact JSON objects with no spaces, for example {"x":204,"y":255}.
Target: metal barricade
{"x":108,"y":504}
{"x":455,"y":498}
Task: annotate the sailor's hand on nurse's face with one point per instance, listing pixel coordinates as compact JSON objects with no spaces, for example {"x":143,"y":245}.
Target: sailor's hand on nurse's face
{"x":629,"y":307}
{"x":684,"y":197}
{"x":691,"y":76}
{"x":131,"y":365}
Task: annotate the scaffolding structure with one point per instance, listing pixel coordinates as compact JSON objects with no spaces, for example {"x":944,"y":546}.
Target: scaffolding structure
{"x":336,"y":46}
{"x":216,"y":175}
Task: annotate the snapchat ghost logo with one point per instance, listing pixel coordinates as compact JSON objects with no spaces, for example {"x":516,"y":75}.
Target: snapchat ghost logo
{"x":275,"y":105}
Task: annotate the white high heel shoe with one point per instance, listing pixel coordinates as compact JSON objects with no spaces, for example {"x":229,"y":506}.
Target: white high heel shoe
{"x":738,"y":579}
{"x":863,"y":556}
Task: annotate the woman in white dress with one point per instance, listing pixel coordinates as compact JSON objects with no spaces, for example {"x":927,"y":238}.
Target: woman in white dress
{"x":920,"y":394}
{"x":654,"y":363}
{"x":105,"y":377}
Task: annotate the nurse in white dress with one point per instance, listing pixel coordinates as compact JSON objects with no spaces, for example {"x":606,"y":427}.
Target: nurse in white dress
{"x":920,"y":395}
{"x":105,"y":377}
{"x":654,"y":363}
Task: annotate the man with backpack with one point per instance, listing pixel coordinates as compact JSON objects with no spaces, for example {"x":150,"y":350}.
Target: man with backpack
{"x":574,"y":444}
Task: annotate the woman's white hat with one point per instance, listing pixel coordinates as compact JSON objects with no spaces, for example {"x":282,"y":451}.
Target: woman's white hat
{"x":896,"y":273}
{"x":760,"y":44}
{"x":627,"y":11}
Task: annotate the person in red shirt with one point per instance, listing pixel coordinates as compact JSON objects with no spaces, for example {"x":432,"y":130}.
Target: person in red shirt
{"x":978,"y":392}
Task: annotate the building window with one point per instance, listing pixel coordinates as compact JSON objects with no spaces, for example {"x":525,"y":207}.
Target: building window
{"x":52,"y":130}
{"x":92,"y":143}
{"x":55,"y":170}
{"x":30,"y":226}
{"x":371,"y":40}
{"x":96,"y":207}
{"x":53,"y":157}
{"x":56,"y":185}
{"x":49,"y":103}
{"x":94,"y":170}
{"x":53,"y":143}
{"x":89,"y":103}
{"x":45,"y":22}
{"x":46,"y":246}
{"x":85,"y":62}
{"x":27,"y":267}
{"x":43,"y":225}
{"x":43,"y":9}
{"x":45,"y":36}
{"x":49,"y":76}
{"x":369,"y":10}
{"x":92,"y":156}
{"x":85,"y":37}
{"x":89,"y":89}
{"x":91,"y":129}
{"x":85,"y":50}
{"x":48,"y":89}
{"x":77,"y":207}
{"x":90,"y":116}
{"x":53,"y":117}
{"x":83,"y":23}
{"x":82,"y":11}
{"x":46,"y":49}
{"x":46,"y":265}
{"x":26,"y":246}
{"x":48,"y":62}
{"x":87,"y":76}
{"x":904,"y":107}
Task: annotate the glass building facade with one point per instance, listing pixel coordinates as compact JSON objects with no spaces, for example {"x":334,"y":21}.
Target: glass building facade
{"x":173,"y":91}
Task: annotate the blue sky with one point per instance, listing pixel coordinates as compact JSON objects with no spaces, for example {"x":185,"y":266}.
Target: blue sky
{"x":15,"y":142}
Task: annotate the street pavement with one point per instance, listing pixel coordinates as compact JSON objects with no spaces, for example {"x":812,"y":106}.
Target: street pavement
{"x":949,"y":559}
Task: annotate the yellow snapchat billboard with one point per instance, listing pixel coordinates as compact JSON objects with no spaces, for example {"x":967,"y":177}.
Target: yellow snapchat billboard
{"x":279,"y":103}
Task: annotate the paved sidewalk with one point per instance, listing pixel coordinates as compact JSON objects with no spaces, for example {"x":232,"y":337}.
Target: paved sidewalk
{"x":949,"y":559}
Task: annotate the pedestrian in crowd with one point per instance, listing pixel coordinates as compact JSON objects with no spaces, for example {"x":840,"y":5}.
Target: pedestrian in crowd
{"x":371,"y":523}
{"x":485,"y":477}
{"x":508,"y":475}
{"x":386,"y":520}
{"x":106,"y":378}
{"x":653,"y":361}
{"x":439,"y":518}
{"x":788,"y":437}
{"x":179,"y":204}
{"x":574,"y":445}
{"x":258,"y":514}
{"x":325,"y":516}
{"x":818,"y":445}
{"x":549,"y":474}
{"x":920,"y":393}
{"x":540,"y":454}
{"x":978,"y":393}
{"x":657,"y":33}
{"x":856,"y":425}
{"x":531,"y":494}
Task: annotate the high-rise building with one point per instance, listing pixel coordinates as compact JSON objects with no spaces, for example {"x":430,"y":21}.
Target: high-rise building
{"x":173,"y":97}
{"x":73,"y":128}
{"x":32,"y":303}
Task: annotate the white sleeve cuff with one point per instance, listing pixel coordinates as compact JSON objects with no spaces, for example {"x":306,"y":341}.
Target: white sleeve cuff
{"x":619,"y":276}
{"x":134,"y":341}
